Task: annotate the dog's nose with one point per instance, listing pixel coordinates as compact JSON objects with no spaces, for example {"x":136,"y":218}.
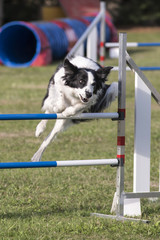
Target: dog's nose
{"x":88,"y":94}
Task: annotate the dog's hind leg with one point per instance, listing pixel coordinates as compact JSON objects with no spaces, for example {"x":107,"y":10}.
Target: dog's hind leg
{"x":60,"y":126}
{"x":41,"y":127}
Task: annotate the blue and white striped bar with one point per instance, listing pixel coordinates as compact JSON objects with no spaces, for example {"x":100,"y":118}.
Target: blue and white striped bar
{"x":116,"y":68}
{"x":133,"y":44}
{"x":47,"y":164}
{"x":149,"y":68}
{"x":37,"y":116}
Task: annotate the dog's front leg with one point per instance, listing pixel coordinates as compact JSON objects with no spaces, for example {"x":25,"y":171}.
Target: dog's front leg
{"x":60,"y":126}
{"x":73,"y":110}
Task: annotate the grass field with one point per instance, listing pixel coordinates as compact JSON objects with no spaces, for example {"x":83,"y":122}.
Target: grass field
{"x":43,"y":204}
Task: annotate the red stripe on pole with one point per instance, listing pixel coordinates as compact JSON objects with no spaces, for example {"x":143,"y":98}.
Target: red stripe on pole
{"x":120,"y":110}
{"x":101,"y":44}
{"x":121,"y":140}
{"x":122,"y":157}
{"x":101,"y":58}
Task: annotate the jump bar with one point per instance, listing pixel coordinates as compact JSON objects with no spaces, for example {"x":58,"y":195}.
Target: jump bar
{"x":45,"y":164}
{"x":37,"y":116}
{"x":133,"y":44}
{"x":149,"y":68}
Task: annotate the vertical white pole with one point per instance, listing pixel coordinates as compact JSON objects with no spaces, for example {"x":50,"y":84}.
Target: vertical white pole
{"x":121,"y":123}
{"x":102,"y":32}
{"x":142,"y":136}
{"x":92,"y":45}
{"x":141,"y":172}
{"x":118,"y":200}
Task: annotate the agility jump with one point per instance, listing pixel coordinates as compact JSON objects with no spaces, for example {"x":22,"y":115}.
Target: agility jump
{"x":119,"y":116}
{"x":120,"y":195}
{"x":119,"y":162}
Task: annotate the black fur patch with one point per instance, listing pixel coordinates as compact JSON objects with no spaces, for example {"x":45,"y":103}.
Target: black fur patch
{"x":99,"y":106}
{"x":78,"y":79}
{"x":51,"y":81}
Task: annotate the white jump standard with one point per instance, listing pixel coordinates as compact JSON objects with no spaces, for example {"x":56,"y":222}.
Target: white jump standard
{"x":129,"y":203}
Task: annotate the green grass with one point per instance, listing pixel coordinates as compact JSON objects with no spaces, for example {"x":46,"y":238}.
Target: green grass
{"x":42,"y":204}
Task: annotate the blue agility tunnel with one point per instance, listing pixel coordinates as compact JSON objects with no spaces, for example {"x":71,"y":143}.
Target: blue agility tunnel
{"x":24,"y":44}
{"x":19,"y":45}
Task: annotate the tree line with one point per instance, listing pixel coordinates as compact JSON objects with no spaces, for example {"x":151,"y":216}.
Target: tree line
{"x":124,"y":12}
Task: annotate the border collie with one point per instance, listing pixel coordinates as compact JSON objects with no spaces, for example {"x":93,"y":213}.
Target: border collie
{"x":77,"y":86}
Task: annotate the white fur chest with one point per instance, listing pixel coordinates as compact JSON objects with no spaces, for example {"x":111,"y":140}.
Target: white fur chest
{"x":59,"y":95}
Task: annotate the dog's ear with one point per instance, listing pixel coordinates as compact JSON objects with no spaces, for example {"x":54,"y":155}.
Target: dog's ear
{"x":69,"y":67}
{"x":102,"y":73}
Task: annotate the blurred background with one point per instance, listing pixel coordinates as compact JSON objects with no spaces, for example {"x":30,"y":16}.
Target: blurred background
{"x":125,"y":13}
{"x":38,"y":32}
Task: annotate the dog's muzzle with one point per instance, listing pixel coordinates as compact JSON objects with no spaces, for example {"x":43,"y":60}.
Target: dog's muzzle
{"x":86,"y":99}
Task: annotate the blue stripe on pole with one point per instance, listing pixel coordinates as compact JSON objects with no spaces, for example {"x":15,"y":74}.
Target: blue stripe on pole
{"x":27,"y":116}
{"x":150,"y":68}
{"x":9,"y":165}
{"x":156,"y":44}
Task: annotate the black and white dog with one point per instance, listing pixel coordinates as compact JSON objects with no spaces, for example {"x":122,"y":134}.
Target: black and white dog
{"x":77,"y":86}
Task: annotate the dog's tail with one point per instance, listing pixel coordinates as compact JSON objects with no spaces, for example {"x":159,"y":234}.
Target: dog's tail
{"x":111,"y":94}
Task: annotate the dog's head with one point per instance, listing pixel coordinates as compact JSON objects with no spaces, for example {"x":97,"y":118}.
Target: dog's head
{"x":85,"y":81}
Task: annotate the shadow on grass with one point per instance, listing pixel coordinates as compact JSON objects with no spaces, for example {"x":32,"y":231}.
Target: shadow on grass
{"x":139,"y":50}
{"x":30,"y":213}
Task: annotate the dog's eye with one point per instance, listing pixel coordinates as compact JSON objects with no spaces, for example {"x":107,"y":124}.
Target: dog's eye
{"x":81,"y":81}
{"x":94,"y":84}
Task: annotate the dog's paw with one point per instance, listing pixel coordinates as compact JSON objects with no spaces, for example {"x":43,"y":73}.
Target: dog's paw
{"x":68,"y":112}
{"x":40,"y":128}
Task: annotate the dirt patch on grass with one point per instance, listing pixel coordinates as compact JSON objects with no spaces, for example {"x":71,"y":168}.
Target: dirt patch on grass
{"x":29,"y":86}
{"x":16,"y":135}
